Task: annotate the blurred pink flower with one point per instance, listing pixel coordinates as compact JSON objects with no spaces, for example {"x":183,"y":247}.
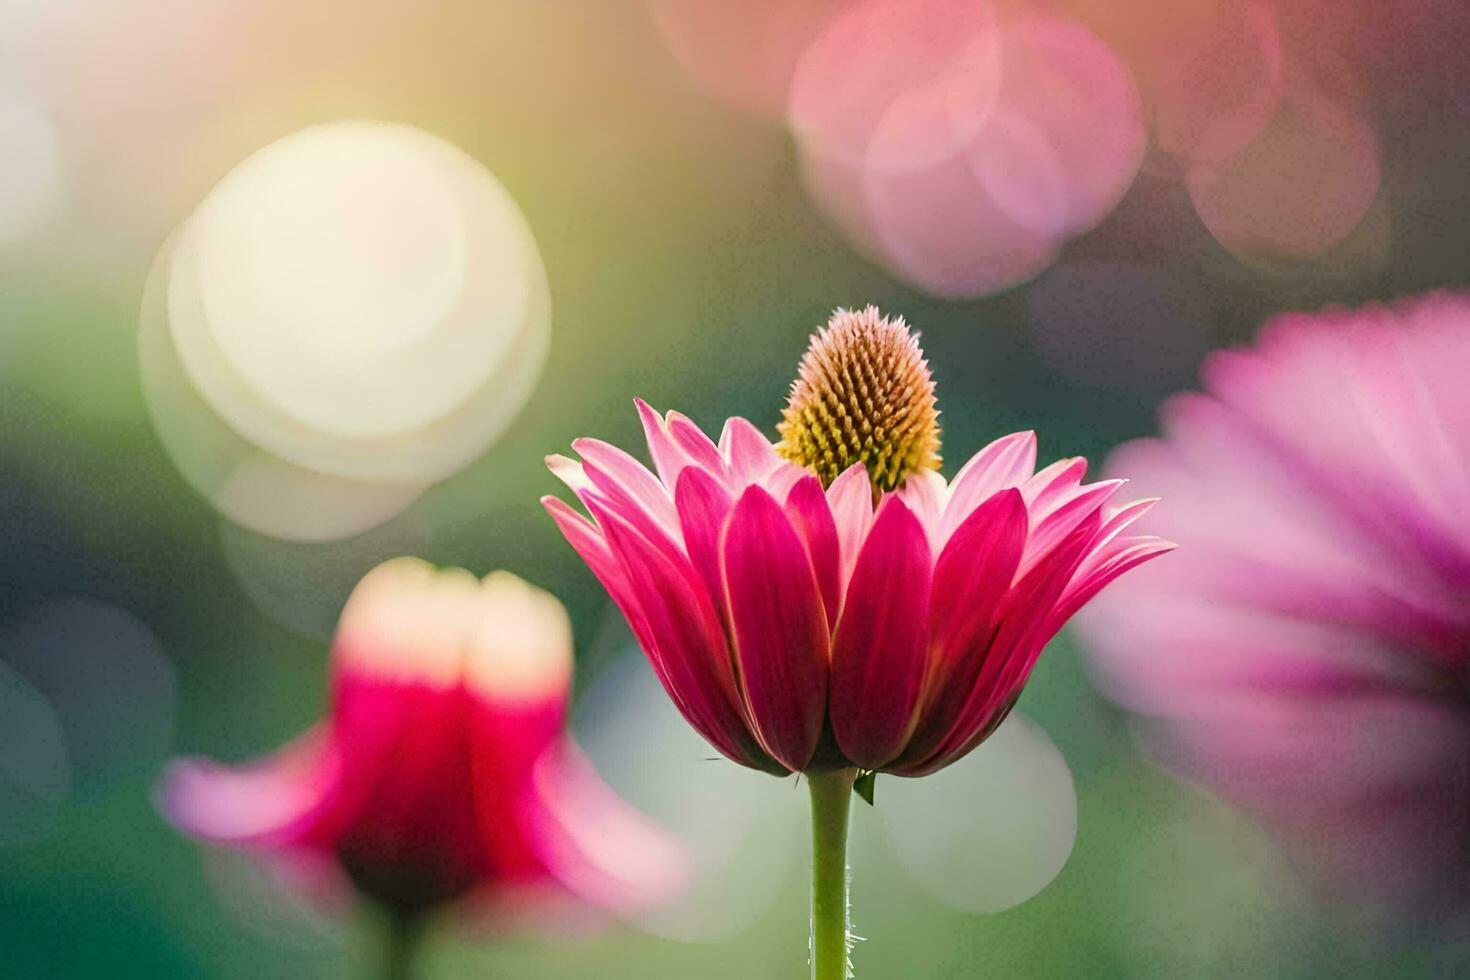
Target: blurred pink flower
{"x":802,"y":627}
{"x":1306,"y":654}
{"x":442,"y":771}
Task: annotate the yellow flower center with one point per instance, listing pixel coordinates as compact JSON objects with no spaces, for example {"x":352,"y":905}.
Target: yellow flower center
{"x":863,"y":393}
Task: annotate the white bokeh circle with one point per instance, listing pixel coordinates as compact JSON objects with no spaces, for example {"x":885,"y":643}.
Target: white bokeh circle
{"x":423,"y":455}
{"x":363,"y":278}
{"x":248,"y":485}
{"x":992,"y":830}
{"x":30,"y":167}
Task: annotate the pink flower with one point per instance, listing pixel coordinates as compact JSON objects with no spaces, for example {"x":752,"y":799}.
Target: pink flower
{"x":443,"y":770}
{"x":1306,"y":656}
{"x":863,"y":611}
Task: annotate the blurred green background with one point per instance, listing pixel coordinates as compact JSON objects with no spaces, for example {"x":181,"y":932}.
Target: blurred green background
{"x":687,"y":266}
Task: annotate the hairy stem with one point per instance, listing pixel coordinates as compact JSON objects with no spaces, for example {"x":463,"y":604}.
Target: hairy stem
{"x":831,"y":799}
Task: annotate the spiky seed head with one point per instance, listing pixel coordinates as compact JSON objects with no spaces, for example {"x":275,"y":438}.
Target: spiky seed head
{"x":863,"y":393}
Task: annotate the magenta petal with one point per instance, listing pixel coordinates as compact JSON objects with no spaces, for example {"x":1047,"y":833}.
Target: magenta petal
{"x":570,"y":472}
{"x":1006,"y":462}
{"x":703,"y":504}
{"x":592,"y":842}
{"x":668,"y":460}
{"x":1026,"y":624}
{"x":806,"y":505}
{"x":1122,"y":518}
{"x":850,"y":498}
{"x":923,"y":493}
{"x":779,"y":626}
{"x":692,"y":441}
{"x":685,"y":642}
{"x":878,"y":661}
{"x":659,"y":523}
{"x":973,"y":574}
{"x":666,"y":538}
{"x":624,"y":480}
{"x":1051,"y":529}
{"x":778,"y":482}
{"x":589,"y":544}
{"x":749,"y":453}
{"x":277,"y":801}
{"x":1045,"y":491}
{"x":971,"y":579}
{"x":1027,"y":613}
{"x":1102,"y":567}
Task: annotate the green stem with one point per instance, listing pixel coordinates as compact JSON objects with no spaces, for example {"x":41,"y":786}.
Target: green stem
{"x":831,"y":800}
{"x":402,"y":942}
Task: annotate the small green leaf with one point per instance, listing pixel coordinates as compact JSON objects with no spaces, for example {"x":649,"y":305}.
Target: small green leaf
{"x":865,"y":784}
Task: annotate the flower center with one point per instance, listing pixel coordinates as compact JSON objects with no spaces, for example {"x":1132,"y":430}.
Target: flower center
{"x":863,"y":393}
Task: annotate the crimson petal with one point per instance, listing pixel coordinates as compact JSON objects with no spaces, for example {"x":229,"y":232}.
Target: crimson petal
{"x":685,"y":641}
{"x":972,"y":577}
{"x":878,"y":661}
{"x":779,"y":627}
{"x":807,"y":507}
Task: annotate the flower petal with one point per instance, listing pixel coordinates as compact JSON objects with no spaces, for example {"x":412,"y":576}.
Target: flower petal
{"x":668,"y":460}
{"x":277,"y":801}
{"x":974,"y":573}
{"x":1120,"y":519}
{"x":626,"y":482}
{"x":807,"y":507}
{"x":878,"y":661}
{"x":685,"y":642}
{"x":587,"y":540}
{"x":1048,"y":489}
{"x":749,"y":454}
{"x":1006,"y":462}
{"x":592,"y":842}
{"x":1103,"y":566}
{"x":778,"y":482}
{"x":1026,"y":624}
{"x":570,"y":472}
{"x":851,"y":499}
{"x":697,"y":446}
{"x":704,"y":504}
{"x":924,"y":494}
{"x":779,"y":627}
{"x":1049,"y":530}
{"x":971,"y":579}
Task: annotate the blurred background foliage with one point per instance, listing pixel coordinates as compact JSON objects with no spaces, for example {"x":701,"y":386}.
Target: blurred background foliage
{"x":687,"y":266}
